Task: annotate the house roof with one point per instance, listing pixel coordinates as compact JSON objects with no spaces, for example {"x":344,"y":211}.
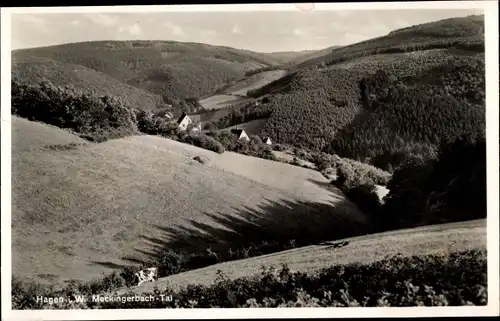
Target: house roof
{"x":184,"y":115}
{"x":237,"y":131}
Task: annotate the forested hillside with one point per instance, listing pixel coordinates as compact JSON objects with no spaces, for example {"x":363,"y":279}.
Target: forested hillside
{"x":439,"y":104}
{"x":168,"y":68}
{"x":377,"y":106}
{"x":466,"y":32}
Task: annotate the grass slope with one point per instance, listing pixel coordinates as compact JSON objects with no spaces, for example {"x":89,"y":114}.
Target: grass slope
{"x":255,"y":81}
{"x":292,"y":56}
{"x":220,"y":101}
{"x":434,"y":239}
{"x":81,"y":211}
{"x":173,"y":69}
{"x":33,"y":70}
{"x":235,"y":94}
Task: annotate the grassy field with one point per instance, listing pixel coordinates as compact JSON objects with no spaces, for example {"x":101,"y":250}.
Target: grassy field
{"x":219,"y":101}
{"x":80,"y":211}
{"x":436,"y":239}
{"x":254,"y":82}
{"x":238,"y":91}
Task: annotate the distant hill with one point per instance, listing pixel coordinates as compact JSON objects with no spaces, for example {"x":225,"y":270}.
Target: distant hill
{"x":294,"y":57}
{"x":168,"y":68}
{"x":34,"y":70}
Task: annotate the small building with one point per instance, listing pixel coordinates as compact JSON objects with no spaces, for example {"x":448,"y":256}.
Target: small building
{"x":240,"y":133}
{"x":193,"y":121}
{"x":267,"y":140}
{"x":184,"y":121}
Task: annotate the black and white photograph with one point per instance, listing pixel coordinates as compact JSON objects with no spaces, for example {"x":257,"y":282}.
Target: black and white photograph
{"x":197,"y":158}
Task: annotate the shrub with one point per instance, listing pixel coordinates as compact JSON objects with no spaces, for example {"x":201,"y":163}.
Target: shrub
{"x":322,"y":161}
{"x":351,"y":174}
{"x":448,"y":189}
{"x":200,"y":260}
{"x":201,"y":159}
{"x":94,"y":118}
{"x":169,"y":262}
{"x":279,"y":147}
{"x":204,"y":141}
{"x":209,"y":126}
{"x":128,"y":275}
{"x":448,"y":279}
{"x":366,"y":198}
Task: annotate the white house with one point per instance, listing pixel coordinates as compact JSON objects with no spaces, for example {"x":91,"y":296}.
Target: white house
{"x":267,"y":140}
{"x":241,"y":134}
{"x":184,"y":121}
{"x":194,"y":120}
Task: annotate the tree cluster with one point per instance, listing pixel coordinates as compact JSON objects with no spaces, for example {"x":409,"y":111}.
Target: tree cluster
{"x":450,"y":188}
{"x":414,"y":113}
{"x":95,"y":118}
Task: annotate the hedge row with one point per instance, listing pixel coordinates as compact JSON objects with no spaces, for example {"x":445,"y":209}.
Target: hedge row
{"x":450,"y":279}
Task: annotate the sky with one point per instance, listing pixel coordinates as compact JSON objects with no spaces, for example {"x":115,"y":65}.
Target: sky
{"x":264,"y":31}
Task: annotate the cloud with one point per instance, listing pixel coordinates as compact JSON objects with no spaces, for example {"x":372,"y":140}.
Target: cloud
{"x":297,"y":32}
{"x":132,"y":30}
{"x":37,"y":22}
{"x":208,"y":33}
{"x":351,"y":37}
{"x":135,"y":29}
{"x":236,"y":30}
{"x":174,"y":29}
{"x":103,"y":19}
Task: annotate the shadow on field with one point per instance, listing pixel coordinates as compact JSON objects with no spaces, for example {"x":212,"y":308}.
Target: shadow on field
{"x":270,"y":227}
{"x":326,"y":185}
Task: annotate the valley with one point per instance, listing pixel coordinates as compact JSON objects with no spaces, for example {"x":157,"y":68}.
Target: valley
{"x":379,"y":144}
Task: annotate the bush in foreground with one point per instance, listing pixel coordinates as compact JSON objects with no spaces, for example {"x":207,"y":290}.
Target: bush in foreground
{"x":93,"y":118}
{"x":203,"y":141}
{"x":451,"y":188}
{"x":451,"y":279}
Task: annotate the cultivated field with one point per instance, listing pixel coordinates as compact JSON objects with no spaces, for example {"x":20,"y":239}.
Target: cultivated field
{"x":219,"y":101}
{"x":254,"y":82}
{"x":434,"y":239}
{"x":237,"y":92}
{"x":82,"y":210}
